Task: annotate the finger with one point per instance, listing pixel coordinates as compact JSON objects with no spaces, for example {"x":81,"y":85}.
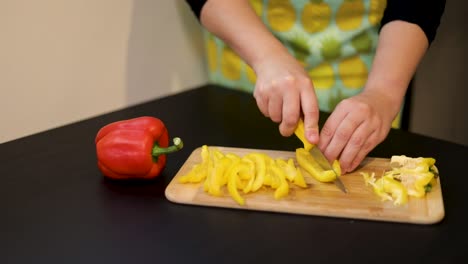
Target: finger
{"x":275,"y":108}
{"x":291,"y":108}
{"x":367,"y":147}
{"x":354,"y":145}
{"x":330,"y":126}
{"x":342,"y":134}
{"x":311,"y":112}
{"x":262,"y":102}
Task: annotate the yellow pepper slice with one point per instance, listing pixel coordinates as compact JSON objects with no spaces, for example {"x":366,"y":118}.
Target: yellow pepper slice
{"x":289,"y":170}
{"x":233,"y":157}
{"x":195,"y":175}
{"x":209,"y":173}
{"x":248,"y":174}
{"x":216,"y":166}
{"x":199,"y":171}
{"x":299,"y":179}
{"x":300,"y":133}
{"x":279,"y":182}
{"x":216,"y":154}
{"x":307,"y":162}
{"x":275,"y":178}
{"x":260,"y":169}
{"x":387,"y":188}
{"x":233,"y":175}
{"x":337,"y":167}
{"x":268,"y":180}
{"x":416,"y":174}
{"x":292,"y":172}
{"x":217,"y":178}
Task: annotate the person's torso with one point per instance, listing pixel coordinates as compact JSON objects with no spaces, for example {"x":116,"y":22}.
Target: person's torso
{"x":335,"y":41}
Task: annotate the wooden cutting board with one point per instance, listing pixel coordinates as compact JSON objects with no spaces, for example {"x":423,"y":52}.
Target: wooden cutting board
{"x":320,"y":199}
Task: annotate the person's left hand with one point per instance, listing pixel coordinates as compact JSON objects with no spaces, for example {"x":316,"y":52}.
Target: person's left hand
{"x":356,"y":126}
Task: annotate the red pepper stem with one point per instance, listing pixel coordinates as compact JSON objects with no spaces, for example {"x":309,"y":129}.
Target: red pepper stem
{"x":178,"y":144}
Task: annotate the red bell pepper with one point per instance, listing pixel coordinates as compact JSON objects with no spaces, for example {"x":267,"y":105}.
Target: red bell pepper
{"x":134,"y":148}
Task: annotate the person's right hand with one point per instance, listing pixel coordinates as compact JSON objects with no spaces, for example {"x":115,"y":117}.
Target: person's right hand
{"x":284,"y":92}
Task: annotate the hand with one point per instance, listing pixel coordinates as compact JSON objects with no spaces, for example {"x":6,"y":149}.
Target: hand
{"x":282,"y":91}
{"x":356,"y":126}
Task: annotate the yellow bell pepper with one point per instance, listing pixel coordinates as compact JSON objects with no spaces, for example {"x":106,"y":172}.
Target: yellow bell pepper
{"x":387,"y":188}
{"x":233,"y":174}
{"x":196,"y":174}
{"x":337,"y":167}
{"x":209,"y":172}
{"x":259,"y":160}
{"x":292,"y":172}
{"x":217,"y":179}
{"x":268,"y":179}
{"x":300,"y":133}
{"x":199,"y":171}
{"x":280,"y":183}
{"x":299,"y":179}
{"x":248,"y":174}
{"x":233,"y":158}
{"x":307,"y":162}
{"x":416,"y":174}
{"x":408,"y":177}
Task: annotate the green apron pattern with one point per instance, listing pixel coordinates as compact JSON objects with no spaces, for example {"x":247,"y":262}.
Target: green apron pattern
{"x":335,"y":41}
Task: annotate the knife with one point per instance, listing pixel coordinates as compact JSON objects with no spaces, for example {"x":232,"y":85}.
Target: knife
{"x":317,"y":154}
{"x":323,"y":162}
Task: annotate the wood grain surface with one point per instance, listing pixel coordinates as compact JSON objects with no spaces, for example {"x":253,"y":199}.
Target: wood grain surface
{"x":319,"y":199}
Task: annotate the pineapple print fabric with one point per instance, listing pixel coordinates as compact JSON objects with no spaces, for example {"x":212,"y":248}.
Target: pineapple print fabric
{"x":334,"y":40}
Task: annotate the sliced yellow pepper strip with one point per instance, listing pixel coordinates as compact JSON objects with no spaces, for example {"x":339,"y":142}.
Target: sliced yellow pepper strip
{"x":280,"y":183}
{"x":292,"y":172}
{"x":217,"y":179}
{"x":300,"y":133}
{"x":307,"y":162}
{"x":233,"y":175}
{"x":299,"y":179}
{"x":217,"y":155}
{"x":215,"y":172}
{"x":260,"y":169}
{"x":275,"y":178}
{"x":195,"y":175}
{"x":387,"y":188}
{"x":205,"y":153}
{"x":209,"y":173}
{"x":268,"y":180}
{"x":199,"y":171}
{"x":289,"y":170}
{"x":337,"y":167}
{"x":248,"y":174}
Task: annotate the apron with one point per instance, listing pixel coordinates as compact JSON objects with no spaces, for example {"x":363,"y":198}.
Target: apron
{"x":335,"y":41}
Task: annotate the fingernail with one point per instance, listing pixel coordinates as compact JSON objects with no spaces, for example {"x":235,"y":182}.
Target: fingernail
{"x":312,"y":136}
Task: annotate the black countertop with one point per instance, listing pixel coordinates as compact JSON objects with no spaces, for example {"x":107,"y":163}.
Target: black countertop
{"x":57,"y":208}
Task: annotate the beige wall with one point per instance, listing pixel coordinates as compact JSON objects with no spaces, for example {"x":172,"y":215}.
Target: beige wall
{"x":66,"y":60}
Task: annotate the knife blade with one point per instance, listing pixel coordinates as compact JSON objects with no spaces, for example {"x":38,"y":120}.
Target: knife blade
{"x":323,"y":162}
